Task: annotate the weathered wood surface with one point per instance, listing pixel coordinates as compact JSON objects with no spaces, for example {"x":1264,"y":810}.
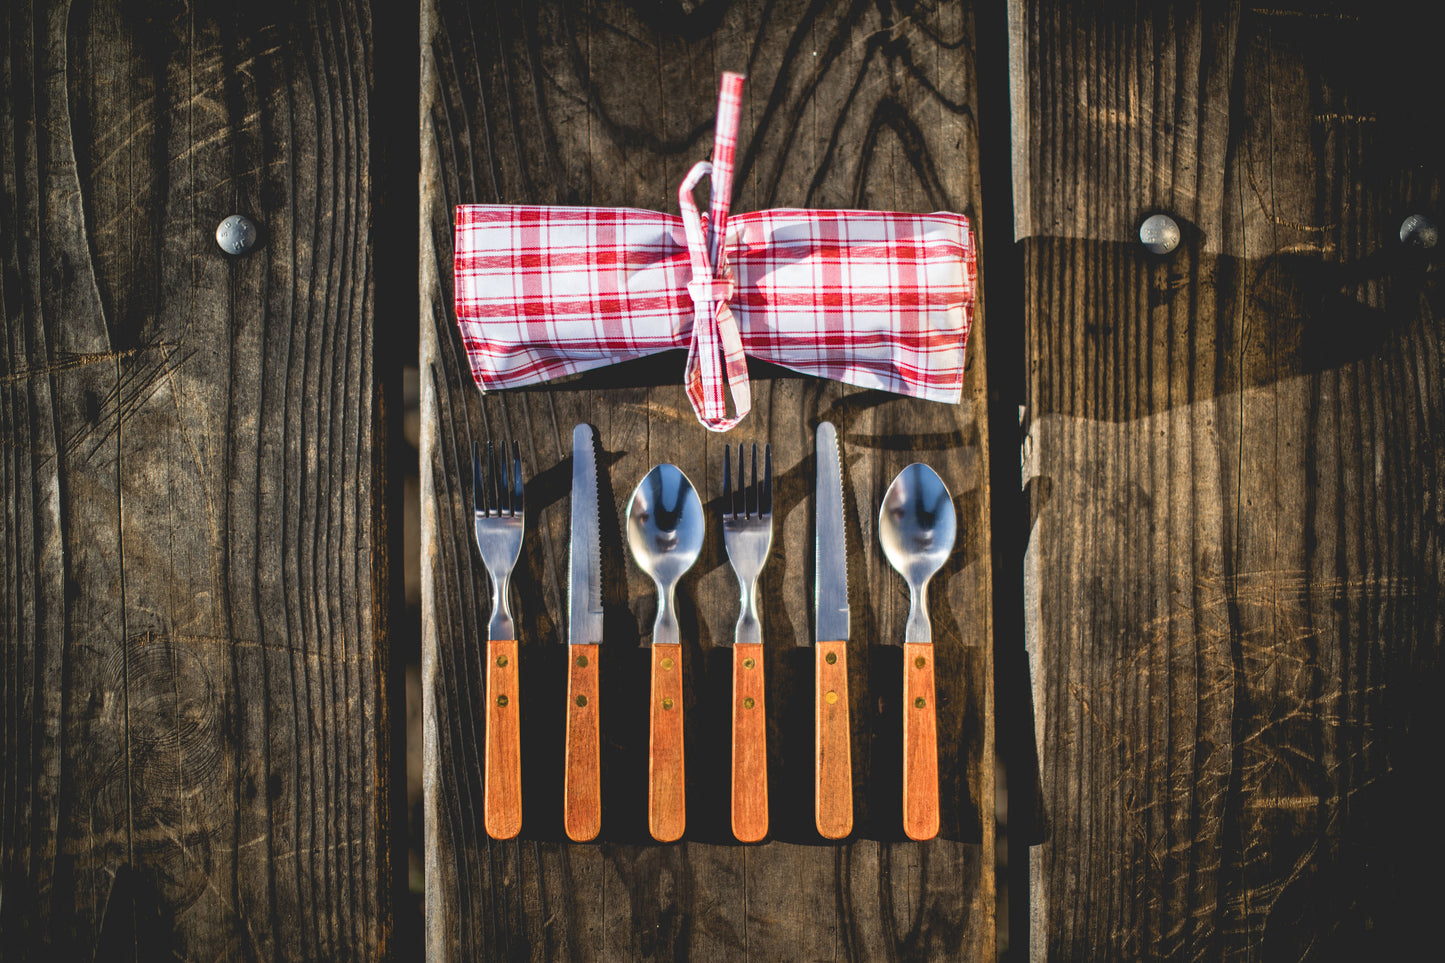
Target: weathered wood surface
{"x":194,"y":726}
{"x":1233,"y":460}
{"x":847,"y":105}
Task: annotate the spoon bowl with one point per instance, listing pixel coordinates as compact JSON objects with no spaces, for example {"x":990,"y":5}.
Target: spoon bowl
{"x":917,"y":527}
{"x":665,"y":532}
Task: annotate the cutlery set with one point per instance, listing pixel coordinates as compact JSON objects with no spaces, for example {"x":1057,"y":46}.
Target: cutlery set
{"x":665,"y":530}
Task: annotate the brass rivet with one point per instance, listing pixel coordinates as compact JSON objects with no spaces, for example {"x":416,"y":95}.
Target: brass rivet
{"x":920,"y":662}
{"x":667,"y":703}
{"x":581,"y":700}
{"x":919,"y":703}
{"x":501,"y":661}
{"x":748,"y":702}
{"x":502,"y":700}
{"x":667,"y":664}
{"x":830,"y":658}
{"x":581,"y":661}
{"x":830,"y":697}
{"x":747,"y":663}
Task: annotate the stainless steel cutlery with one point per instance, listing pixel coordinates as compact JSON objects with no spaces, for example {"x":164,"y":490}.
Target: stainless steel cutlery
{"x":916,"y":527}
{"x":498,"y":502}
{"x":832,"y":743}
{"x":665,"y":531}
{"x":747,"y":523}
{"x":582,"y":771}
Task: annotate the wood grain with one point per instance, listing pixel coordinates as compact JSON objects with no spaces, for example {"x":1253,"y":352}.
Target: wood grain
{"x":609,"y":104}
{"x":749,"y":744}
{"x":832,"y":742}
{"x":582,"y":781}
{"x":1234,"y":569}
{"x":920,"y":742}
{"x":666,"y":756}
{"x":502,"y":783}
{"x":194,"y":726}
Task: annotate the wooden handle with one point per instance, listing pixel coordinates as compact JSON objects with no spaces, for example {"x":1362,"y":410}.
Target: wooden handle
{"x":582,"y":775}
{"x":833,"y":781}
{"x":666,"y":799}
{"x":502,"y":792}
{"x":920,"y":743}
{"x":750,"y":744}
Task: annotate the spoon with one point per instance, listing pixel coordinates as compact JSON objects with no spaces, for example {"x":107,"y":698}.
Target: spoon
{"x":916,"y":526}
{"x":665,"y":532}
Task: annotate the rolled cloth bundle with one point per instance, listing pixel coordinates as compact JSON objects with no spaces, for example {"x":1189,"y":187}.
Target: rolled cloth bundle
{"x":874,"y":299}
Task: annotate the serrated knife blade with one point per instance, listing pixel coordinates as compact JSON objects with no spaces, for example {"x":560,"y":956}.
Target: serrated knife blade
{"x":830,"y":586}
{"x":582,"y":772}
{"x":833,"y":767}
{"x":584,"y":581}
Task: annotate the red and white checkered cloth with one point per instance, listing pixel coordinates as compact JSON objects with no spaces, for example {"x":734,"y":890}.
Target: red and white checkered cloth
{"x":873,"y":299}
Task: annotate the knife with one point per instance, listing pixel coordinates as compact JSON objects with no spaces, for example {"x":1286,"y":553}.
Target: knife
{"x":833,"y":765}
{"x":582,"y":775}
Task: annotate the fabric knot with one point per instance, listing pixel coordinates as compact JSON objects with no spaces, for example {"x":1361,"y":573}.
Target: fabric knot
{"x":710,"y":289}
{"x":715,"y":359}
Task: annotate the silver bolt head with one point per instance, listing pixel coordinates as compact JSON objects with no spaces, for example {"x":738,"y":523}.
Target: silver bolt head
{"x":1159,"y":234}
{"x":1417,"y":230}
{"x":236,"y":234}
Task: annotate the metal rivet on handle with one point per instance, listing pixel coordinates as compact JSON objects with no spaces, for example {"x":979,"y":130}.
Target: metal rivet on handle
{"x":748,"y":663}
{"x":920,"y":662}
{"x":667,"y":703}
{"x":830,"y":697}
{"x":501,"y":661}
{"x":236,"y":234}
{"x":667,"y":664}
{"x":581,"y":700}
{"x":581,"y":661}
{"x":502,"y":701}
{"x":919,"y":703}
{"x":748,"y":702}
{"x":1417,"y":230}
{"x":830,"y":658}
{"x":1159,"y":234}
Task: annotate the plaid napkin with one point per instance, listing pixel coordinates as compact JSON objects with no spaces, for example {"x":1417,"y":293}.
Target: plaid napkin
{"x":878,"y":300}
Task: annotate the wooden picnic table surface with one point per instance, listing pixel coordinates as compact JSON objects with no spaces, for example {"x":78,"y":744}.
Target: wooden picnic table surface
{"x":1188,"y":644}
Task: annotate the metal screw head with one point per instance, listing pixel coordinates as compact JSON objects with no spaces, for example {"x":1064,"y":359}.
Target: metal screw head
{"x":236,"y":234}
{"x":1419,"y":231}
{"x":1159,"y":234}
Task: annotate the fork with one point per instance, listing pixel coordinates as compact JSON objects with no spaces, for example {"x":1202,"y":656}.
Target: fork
{"x":747,"y":523}
{"x":497,"y":500}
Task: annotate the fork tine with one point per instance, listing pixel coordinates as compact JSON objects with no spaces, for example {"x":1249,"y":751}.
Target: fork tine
{"x":494,"y":500}
{"x":753,"y":488}
{"x":517,"y":507}
{"x":740,"y":498}
{"x":766,"y":498}
{"x":727,"y":481}
{"x":478,"y":486}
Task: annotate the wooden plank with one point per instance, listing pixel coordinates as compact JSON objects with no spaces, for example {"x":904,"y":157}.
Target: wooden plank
{"x":195,"y":727}
{"x":1233,"y":460}
{"x":846,"y":105}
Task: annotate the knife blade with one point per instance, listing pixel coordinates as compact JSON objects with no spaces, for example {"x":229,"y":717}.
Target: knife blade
{"x":582,"y":775}
{"x":833,"y":765}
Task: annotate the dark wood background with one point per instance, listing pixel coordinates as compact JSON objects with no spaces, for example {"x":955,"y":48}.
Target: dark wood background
{"x":195,"y":589}
{"x":1203,"y":642}
{"x":1233,"y":459}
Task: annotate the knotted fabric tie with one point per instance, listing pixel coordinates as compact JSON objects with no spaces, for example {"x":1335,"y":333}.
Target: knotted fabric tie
{"x":880,"y":300}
